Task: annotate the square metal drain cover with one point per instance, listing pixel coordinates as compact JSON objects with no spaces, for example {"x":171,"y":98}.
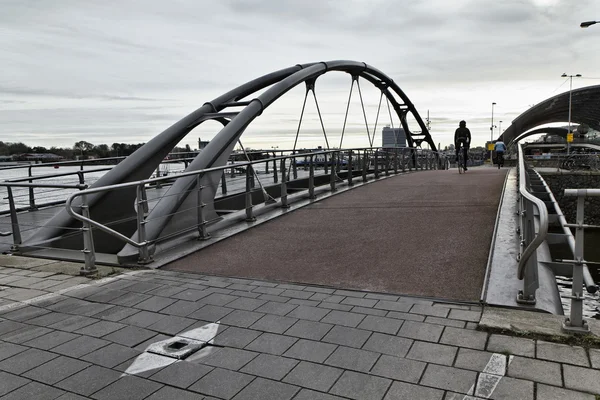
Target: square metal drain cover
{"x":176,"y":347}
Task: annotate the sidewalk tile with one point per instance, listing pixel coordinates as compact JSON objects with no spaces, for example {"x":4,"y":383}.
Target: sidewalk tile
{"x":243,"y":319}
{"x":181,"y":308}
{"x":381,"y":324}
{"x":407,"y":391}
{"x":309,"y":313}
{"x":81,"y":346}
{"x":34,"y":390}
{"x":210,"y":313}
{"x":228,"y":358}
{"x":511,"y":345}
{"x":100,"y":328}
{"x":432,"y":353}
{"x":89,"y":380}
{"x":171,"y":325}
{"x":273,"y":307}
{"x":130,"y":336}
{"x":56,"y":370}
{"x":313,"y":376}
{"x":246,"y":304}
{"x":10,"y":349}
{"x":343,"y":318}
{"x":353,"y":359}
{"x":155,"y":303}
{"x":50,"y":340}
{"x":269,"y":366}
{"x":438,"y":311}
{"x":273,"y":323}
{"x":582,"y":379}
{"x":472,"y":316}
{"x":143,"y":319}
{"x":464,"y":338}
{"x":446,"y":322}
{"x":128,"y":387}
{"x":169,"y":393}
{"x":310,"y":351}
{"x":271,"y":343}
{"x":562,"y":353}
{"x":218,"y":299}
{"x":399,"y":368}
{"x":359,"y":302}
{"x":393,"y":306}
{"x":222,"y":383}
{"x":369,"y":311}
{"x":9,"y":382}
{"x":510,"y":388}
{"x":236,"y":337}
{"x":387,"y":344}
{"x":181,"y":374}
{"x":361,"y":386}
{"x":111,"y":355}
{"x":345,"y":336}
{"x":421,"y":331}
{"x":262,"y":389}
{"x":449,"y":378}
{"x":22,"y":362}
{"x":535,"y":370}
{"x":545,"y":392}
{"x":474,"y":360}
{"x":306,"y":394}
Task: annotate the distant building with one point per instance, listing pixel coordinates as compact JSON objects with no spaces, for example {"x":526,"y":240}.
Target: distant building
{"x":393,"y":137}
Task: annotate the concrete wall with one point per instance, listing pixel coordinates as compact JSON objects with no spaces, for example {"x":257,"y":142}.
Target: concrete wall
{"x":559,"y":181}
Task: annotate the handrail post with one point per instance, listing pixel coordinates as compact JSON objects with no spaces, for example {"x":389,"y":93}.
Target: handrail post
{"x":403,"y":160}
{"x":158,"y":183}
{"x":332,"y":174}
{"x":376,"y":164}
{"x":311,"y":179}
{"x":249,"y":185}
{"x":530,"y":279}
{"x":387,"y":163}
{"x":575,"y":322}
{"x":395,"y":160}
{"x":284,"y":197}
{"x":365,"y":165}
{"x":202,"y":233}
{"x":326,"y":165}
{"x":223,"y":183}
{"x":350,"y":173}
{"x":142,"y":209}
{"x":14,"y":221}
{"x":294,"y":167}
{"x":89,"y":253}
{"x":274,"y":169}
{"x":32,"y":206}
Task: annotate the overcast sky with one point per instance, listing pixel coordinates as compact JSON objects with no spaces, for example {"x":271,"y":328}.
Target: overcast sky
{"x":122,"y":71}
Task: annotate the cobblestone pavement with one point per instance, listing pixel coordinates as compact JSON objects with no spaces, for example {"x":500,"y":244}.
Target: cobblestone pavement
{"x":262,"y":340}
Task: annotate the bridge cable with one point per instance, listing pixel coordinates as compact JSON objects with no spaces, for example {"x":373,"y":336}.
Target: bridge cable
{"x":266,"y":196}
{"x":320,"y":118}
{"x":391,"y":120}
{"x":377,"y":117}
{"x":300,"y":121}
{"x":364,"y":112}
{"x":346,"y":116}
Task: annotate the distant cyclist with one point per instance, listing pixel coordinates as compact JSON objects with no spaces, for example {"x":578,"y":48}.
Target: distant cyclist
{"x":462,"y":136}
{"x":500,"y":148}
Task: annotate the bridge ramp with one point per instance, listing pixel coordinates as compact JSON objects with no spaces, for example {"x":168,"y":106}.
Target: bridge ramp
{"x":421,"y":234}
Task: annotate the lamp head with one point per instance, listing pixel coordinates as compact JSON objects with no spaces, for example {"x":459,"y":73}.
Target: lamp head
{"x":587,"y":23}
{"x":564,"y":75}
{"x":578,"y":75}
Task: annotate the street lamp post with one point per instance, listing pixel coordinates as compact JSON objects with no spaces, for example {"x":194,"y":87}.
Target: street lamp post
{"x":564,"y":75}
{"x":492,"y":132}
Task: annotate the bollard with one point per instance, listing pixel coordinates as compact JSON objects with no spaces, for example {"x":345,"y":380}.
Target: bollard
{"x":89,"y":268}
{"x":202,"y":233}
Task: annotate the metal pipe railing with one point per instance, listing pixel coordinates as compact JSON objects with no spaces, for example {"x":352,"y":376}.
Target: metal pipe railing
{"x":575,"y":322}
{"x":530,"y":239}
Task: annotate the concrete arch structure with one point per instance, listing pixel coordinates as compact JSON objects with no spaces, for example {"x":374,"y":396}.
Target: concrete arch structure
{"x":118,"y":205}
{"x":585,"y":109}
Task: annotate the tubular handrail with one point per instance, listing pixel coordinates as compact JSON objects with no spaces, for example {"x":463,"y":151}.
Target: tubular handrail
{"x":143,"y":182}
{"x":543,"y":214}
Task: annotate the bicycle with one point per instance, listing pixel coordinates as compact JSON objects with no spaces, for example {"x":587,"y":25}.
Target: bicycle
{"x":500,"y":159}
{"x":461,"y":160}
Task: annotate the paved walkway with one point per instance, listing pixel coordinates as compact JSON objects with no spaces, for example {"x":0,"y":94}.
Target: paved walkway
{"x":261,"y":340}
{"x":425,"y":234}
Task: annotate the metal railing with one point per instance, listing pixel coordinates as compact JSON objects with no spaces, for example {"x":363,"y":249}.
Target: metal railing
{"x":291,"y":176}
{"x":589,"y":161}
{"x":532,"y":232}
{"x":575,"y":322}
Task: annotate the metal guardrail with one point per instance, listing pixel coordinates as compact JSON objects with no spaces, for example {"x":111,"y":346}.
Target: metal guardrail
{"x":575,"y":161}
{"x":531,"y":236}
{"x":575,"y":322}
{"x":357,"y":164}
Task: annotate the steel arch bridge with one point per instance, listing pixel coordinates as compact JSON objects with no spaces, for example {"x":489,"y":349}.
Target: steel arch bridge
{"x":235,"y":110}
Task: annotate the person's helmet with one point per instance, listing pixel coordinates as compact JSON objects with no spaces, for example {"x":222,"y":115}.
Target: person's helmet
{"x":462,"y":124}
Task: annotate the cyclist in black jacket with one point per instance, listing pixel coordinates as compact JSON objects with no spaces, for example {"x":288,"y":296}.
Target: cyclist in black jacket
{"x":462,"y":136}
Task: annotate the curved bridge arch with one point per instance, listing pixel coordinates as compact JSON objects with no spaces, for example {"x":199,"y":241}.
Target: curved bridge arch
{"x":140,"y":165}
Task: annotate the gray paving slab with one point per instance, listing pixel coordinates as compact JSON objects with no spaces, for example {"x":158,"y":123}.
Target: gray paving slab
{"x":511,"y":345}
{"x":273,"y":307}
{"x":510,"y":388}
{"x":313,"y":376}
{"x":309,"y":330}
{"x":381,"y":324}
{"x":263,"y":389}
{"x":388,"y":344}
{"x":222,"y":383}
{"x":309,"y":350}
{"x":100,"y":328}
{"x":243,"y":319}
{"x":271,"y":343}
{"x":56,"y":370}
{"x":10,"y":349}
{"x":432,"y":353}
{"x":236,"y":337}
{"x":352,"y":359}
{"x":581,"y":379}
{"x":25,"y":334}
{"x":181,"y":374}
{"x":80,"y":346}
{"x":50,"y":340}
{"x":25,"y":361}
{"x":10,"y":382}
{"x":130,"y":336}
{"x":34,"y":390}
{"x":337,"y":317}
{"x":421,"y":331}
{"x":111,"y":355}
{"x":247,"y":304}
{"x":228,"y":358}
{"x":345,"y":336}
{"x":535,"y":370}
{"x":361,"y":386}
{"x":127,"y":387}
{"x":545,"y":392}
{"x":143,"y":319}
{"x":270,"y":366}
{"x":170,"y":393}
{"x":474,"y":360}
{"x":273,"y":323}
{"x":399,"y":368}
{"x":407,"y":391}
{"x":89,"y":381}
{"x":471,"y":316}
{"x":171,"y":325}
{"x":210,"y":313}
{"x":369,"y":311}
{"x":446,"y":322}
{"x":464,"y":338}
{"x":562,"y":353}
{"x":449,"y":378}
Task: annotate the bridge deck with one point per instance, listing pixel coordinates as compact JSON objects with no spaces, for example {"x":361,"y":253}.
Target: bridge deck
{"x":425,"y":234}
